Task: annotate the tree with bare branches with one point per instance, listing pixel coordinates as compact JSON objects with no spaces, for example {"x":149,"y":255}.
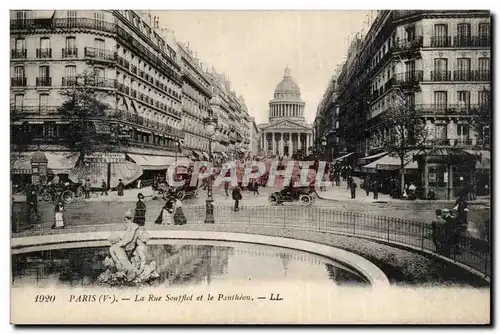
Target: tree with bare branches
{"x":407,"y":132}
{"x":90,"y":128}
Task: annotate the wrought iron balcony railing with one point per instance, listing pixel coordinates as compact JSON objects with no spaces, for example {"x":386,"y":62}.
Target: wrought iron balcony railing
{"x":34,"y":110}
{"x":43,"y":81}
{"x":44,"y":53}
{"x":409,"y":44}
{"x":18,"y":54}
{"x":63,"y":23}
{"x":441,"y":41}
{"x":472,"y":41}
{"x":69,"y":81}
{"x":412,"y":77}
{"x":100,"y":54}
{"x":440,"y":75}
{"x":18,"y":82}
{"x":447,"y":109}
{"x":69,"y":53}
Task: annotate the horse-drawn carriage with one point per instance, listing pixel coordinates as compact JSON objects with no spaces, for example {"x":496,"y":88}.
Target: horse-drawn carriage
{"x":163,"y":190}
{"x":304,"y":195}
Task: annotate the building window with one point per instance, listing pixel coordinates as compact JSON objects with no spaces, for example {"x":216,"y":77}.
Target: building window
{"x":18,"y":101}
{"x":44,"y":43}
{"x":70,"y":50}
{"x":20,"y":44}
{"x":100,"y":46}
{"x":440,"y":70}
{"x":71,"y":18}
{"x":463,"y":70}
{"x":19,"y":72}
{"x":484,"y":30}
{"x":44,"y":72}
{"x":463,"y":98}
{"x":440,"y":100}
{"x":43,"y":102}
{"x":440,"y":38}
{"x":463,"y":132}
{"x":98,"y":20}
{"x":483,"y":97}
{"x":49,"y":130}
{"x":21,"y":15}
{"x":484,"y":64}
{"x":463,"y":30}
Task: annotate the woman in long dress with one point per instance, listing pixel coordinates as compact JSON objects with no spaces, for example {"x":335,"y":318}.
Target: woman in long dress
{"x":59,"y":217}
{"x":179,"y":217}
{"x":165,"y":216}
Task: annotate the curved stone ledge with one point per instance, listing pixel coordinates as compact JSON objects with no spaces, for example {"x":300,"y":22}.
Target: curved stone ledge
{"x":368,"y":270}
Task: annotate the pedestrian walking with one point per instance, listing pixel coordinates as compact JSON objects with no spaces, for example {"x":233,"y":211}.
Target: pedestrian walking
{"x":104,"y":188}
{"x":179,"y":217}
{"x":87,"y":189}
{"x":120,"y":187}
{"x":58,"y":216}
{"x":226,"y":188}
{"x":366,"y":186}
{"x":255,"y":187}
{"x":166,"y":215}
{"x":375,"y":189}
{"x":32,"y":200}
{"x":140,"y":211}
{"x":337,"y":179}
{"x":237,"y":198}
{"x":353,"y":187}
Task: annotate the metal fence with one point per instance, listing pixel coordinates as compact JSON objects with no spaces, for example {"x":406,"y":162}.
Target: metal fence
{"x":472,"y":252}
{"x":469,"y":251}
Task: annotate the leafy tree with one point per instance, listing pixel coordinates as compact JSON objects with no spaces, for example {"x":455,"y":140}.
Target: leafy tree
{"x":90,"y":128}
{"x":406,"y":131}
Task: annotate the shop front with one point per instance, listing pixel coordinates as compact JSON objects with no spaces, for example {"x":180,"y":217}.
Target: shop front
{"x":446,"y":170}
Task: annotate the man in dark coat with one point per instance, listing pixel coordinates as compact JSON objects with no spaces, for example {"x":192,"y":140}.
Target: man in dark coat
{"x":140,"y":211}
{"x":353,"y":186}
{"x":375,"y":189}
{"x":32,"y":200}
{"x":104,"y":188}
{"x":236,"y":197}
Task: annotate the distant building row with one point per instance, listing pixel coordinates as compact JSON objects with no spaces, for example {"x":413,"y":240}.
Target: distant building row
{"x":441,"y":61}
{"x":156,"y":88}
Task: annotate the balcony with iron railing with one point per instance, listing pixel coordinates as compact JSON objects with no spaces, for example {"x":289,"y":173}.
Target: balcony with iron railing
{"x":18,"y":53}
{"x":441,"y":75}
{"x":101,"y":83}
{"x":463,"y":109}
{"x":133,"y":69}
{"x":99,"y":54}
{"x":18,"y":82}
{"x":482,"y":75}
{"x":409,"y":79}
{"x":122,"y":62}
{"x":44,"y":53}
{"x":34,"y":110}
{"x":69,"y":52}
{"x":123,"y":88}
{"x":43,"y":81}
{"x":472,"y":41}
{"x":409,"y":44}
{"x":440,"y":41}
{"x":69,"y":81}
{"x":63,"y":23}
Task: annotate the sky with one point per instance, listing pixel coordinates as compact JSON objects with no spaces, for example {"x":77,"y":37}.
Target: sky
{"x":254,"y":47}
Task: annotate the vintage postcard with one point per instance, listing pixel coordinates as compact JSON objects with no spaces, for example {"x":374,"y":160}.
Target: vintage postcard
{"x":250,"y":167}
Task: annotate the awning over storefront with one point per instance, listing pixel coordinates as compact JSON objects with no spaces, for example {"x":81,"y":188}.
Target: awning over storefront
{"x":390,"y":163}
{"x":152,"y":162}
{"x":127,"y":171}
{"x":484,"y":158}
{"x":343,"y":157}
{"x":58,"y":162}
{"x":365,"y":160}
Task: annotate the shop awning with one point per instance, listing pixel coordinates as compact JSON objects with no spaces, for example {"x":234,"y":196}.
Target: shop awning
{"x":58,"y":162}
{"x":127,"y":171}
{"x":390,"y":163}
{"x":364,"y":160}
{"x":484,"y":158}
{"x":152,"y":162}
{"x":343,"y":157}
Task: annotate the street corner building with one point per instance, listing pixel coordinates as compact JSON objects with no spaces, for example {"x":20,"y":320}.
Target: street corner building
{"x":440,"y":62}
{"x":156,"y":91}
{"x":286,"y":131}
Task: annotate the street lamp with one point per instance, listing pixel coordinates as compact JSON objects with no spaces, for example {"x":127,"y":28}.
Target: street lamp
{"x":211,"y":128}
{"x":323,"y":143}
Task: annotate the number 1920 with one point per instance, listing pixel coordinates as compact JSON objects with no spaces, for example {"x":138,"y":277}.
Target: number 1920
{"x":45,"y":298}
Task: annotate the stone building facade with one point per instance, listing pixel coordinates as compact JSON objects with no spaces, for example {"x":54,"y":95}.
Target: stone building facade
{"x":287,"y":130}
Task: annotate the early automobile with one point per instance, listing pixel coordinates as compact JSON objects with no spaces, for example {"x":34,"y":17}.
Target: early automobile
{"x":304,"y":195}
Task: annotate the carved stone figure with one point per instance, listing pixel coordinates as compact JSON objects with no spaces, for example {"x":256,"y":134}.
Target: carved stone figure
{"x":126,"y":263}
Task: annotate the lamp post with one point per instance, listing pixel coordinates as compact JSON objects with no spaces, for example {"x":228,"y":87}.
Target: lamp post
{"x":323,"y":144}
{"x":211,"y":128}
